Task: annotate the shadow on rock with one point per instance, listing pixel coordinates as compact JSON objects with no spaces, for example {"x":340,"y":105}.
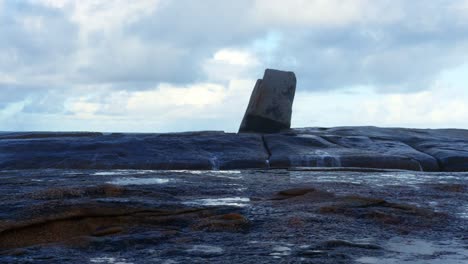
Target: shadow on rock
{"x":105,"y":190}
{"x":232,"y":222}
{"x":382,"y":211}
{"x":451,"y":188}
{"x":404,"y":217}
{"x":90,"y":220}
{"x":307,"y":193}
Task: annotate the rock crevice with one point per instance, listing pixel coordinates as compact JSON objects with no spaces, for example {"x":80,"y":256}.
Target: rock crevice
{"x":265,"y":145}
{"x":358,"y":147}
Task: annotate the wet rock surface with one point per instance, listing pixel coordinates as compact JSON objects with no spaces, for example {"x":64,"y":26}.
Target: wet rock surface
{"x":315,"y":151}
{"x":193,"y":150}
{"x":249,"y":216}
{"x":339,"y":147}
{"x":449,"y":147}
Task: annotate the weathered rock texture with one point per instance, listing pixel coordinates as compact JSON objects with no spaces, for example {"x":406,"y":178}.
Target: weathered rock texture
{"x":315,"y":151}
{"x":270,"y":106}
{"x":198,"y":151}
{"x":364,"y":147}
{"x":249,"y":216}
{"x":433,"y":149}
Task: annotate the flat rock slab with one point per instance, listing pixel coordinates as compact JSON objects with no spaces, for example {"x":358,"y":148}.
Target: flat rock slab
{"x":248,"y":216}
{"x":197,"y":150}
{"x":448,"y":147}
{"x":385,"y":147}
{"x":365,"y":147}
{"x":314,"y":151}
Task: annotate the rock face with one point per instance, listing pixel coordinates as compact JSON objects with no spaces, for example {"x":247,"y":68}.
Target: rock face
{"x":315,"y":151}
{"x":355,"y":147}
{"x":270,"y":106}
{"x":194,"y":150}
{"x":434,"y":149}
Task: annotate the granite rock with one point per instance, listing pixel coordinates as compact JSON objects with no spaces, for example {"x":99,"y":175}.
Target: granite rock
{"x":315,"y":151}
{"x":363,"y":147}
{"x":270,"y":105}
{"x":196,"y":151}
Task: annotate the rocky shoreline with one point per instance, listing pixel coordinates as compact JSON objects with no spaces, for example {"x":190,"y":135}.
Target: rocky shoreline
{"x":265,"y":141}
{"x":363,"y":147}
{"x":248,"y":216}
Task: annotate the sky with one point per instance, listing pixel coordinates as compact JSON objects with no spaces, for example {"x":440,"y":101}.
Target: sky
{"x":184,"y":65}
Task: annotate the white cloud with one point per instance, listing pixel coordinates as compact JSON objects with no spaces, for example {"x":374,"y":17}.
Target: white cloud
{"x":203,"y":106}
{"x":165,"y":108}
{"x":102,"y":15}
{"x":54,"y":3}
{"x":83,"y":109}
{"x":167,"y":96}
{"x":424,"y":109}
{"x":128,"y":59}
{"x":96,"y":15}
{"x":230,"y":64}
{"x":163,"y":65}
{"x":462,"y":5}
{"x":235,"y":57}
{"x":325,"y":12}
{"x":461,"y":11}
{"x":442,"y":106}
{"x":32,"y":23}
{"x":100,"y":24}
{"x":7,"y":78}
{"x":10,"y":111}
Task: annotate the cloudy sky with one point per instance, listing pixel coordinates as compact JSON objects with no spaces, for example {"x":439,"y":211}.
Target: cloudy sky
{"x":178,"y":65}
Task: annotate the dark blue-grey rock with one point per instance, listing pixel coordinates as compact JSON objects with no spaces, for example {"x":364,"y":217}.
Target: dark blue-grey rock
{"x":270,"y":105}
{"x":387,"y":148}
{"x":357,"y":147}
{"x":452,"y":155}
{"x":449,"y":147}
{"x":250,"y":216}
{"x":305,"y":150}
{"x":195,"y":150}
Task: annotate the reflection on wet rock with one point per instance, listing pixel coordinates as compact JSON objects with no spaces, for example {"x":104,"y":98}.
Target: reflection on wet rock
{"x":247,"y":216}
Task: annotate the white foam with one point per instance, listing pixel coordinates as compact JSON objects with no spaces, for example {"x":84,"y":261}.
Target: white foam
{"x":123,"y":172}
{"x":326,"y":160}
{"x":317,"y":158}
{"x":214,"y":163}
{"x":205,"y":171}
{"x":464,"y":212}
{"x":137,"y":181}
{"x":206,"y":249}
{"x":280,"y":251}
{"x":415,"y":251}
{"x":109,"y":260}
{"x":229,"y":201}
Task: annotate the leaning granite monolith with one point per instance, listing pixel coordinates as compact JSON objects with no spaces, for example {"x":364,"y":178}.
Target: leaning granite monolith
{"x":270,"y":106}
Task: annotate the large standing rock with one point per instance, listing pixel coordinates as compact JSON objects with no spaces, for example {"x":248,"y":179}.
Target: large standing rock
{"x":270,"y":106}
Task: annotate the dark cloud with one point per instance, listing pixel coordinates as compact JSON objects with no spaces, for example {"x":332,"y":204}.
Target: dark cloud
{"x":200,"y":27}
{"x":35,"y":39}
